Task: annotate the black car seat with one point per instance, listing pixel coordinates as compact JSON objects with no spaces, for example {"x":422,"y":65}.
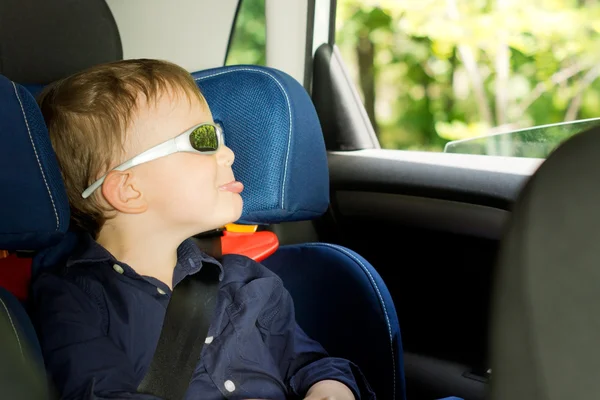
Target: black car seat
{"x":545,"y":341}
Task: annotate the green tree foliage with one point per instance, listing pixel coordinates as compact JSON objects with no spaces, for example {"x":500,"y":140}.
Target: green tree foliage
{"x":248,"y":43}
{"x":454,"y":69}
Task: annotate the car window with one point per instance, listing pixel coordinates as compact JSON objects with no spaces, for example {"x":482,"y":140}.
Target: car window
{"x":248,"y":39}
{"x":435,"y":74}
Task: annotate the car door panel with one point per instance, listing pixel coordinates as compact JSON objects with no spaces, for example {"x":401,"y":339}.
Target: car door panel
{"x":431,"y":228}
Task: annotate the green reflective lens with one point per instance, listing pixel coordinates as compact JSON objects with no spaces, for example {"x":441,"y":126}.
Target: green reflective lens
{"x":205,"y":138}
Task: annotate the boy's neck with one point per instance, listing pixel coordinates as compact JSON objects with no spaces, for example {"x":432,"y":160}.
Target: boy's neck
{"x":149,"y":254}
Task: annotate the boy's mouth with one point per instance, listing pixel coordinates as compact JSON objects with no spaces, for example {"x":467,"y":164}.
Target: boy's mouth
{"x":233,"y":187}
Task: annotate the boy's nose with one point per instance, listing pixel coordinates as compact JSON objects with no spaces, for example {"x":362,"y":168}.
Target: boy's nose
{"x":225,"y":156}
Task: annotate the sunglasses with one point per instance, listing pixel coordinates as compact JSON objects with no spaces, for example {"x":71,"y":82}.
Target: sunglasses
{"x":204,"y":139}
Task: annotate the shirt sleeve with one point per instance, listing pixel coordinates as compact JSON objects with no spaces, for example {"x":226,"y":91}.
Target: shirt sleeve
{"x":81,"y":360}
{"x":303,"y":361}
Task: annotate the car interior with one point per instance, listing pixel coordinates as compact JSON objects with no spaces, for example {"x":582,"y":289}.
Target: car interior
{"x":347,"y":225}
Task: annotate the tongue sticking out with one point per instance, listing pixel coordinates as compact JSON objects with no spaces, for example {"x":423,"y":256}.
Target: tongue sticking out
{"x":234,"y":187}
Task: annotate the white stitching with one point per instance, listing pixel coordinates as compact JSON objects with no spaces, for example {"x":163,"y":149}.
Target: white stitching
{"x":37,"y":157}
{"x":387,"y":319}
{"x":13,"y":326}
{"x":287,"y":99}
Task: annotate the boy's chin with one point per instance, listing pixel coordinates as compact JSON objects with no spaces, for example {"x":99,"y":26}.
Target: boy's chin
{"x":219,"y":222}
{"x":224,"y":222}
{"x":236,"y":214}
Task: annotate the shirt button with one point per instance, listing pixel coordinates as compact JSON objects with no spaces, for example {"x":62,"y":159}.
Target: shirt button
{"x":118,"y":268}
{"x":209,"y":340}
{"x":229,"y":386}
{"x":160,"y":291}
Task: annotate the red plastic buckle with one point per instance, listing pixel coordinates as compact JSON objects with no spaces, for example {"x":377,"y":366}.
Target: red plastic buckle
{"x":15,"y":275}
{"x":242,"y":239}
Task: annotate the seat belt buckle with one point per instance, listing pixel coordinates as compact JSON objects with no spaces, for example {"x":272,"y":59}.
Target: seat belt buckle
{"x":246,"y":240}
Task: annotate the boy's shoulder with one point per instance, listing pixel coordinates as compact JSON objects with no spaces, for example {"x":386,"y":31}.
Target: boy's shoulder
{"x":252,"y":287}
{"x":90,"y":267}
{"x":84,"y":253}
{"x":239,"y":268}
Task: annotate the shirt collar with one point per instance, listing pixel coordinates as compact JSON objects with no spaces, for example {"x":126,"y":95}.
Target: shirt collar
{"x":190,"y":259}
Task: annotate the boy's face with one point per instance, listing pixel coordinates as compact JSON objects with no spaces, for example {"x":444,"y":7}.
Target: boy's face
{"x":185,"y":192}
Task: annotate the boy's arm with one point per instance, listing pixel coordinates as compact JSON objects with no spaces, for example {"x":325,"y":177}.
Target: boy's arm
{"x":305,"y":365}
{"x":82,"y":361}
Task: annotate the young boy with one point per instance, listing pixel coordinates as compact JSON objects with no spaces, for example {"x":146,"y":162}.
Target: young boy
{"x":100,"y":315}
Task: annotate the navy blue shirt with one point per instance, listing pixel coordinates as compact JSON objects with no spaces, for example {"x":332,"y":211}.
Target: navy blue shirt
{"x":99,"y":323}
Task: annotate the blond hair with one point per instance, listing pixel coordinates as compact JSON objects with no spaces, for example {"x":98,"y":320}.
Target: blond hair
{"x":87,"y":115}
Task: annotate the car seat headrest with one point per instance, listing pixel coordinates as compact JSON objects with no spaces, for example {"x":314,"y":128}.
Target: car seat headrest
{"x":34,"y":210}
{"x":271,"y":125}
{"x":43,"y":41}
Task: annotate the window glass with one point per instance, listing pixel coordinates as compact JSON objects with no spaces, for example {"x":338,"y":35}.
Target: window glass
{"x":248,"y":41}
{"x":433,"y":72}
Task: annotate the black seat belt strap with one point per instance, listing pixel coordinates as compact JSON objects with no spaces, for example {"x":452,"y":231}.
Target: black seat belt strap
{"x":184,"y":331}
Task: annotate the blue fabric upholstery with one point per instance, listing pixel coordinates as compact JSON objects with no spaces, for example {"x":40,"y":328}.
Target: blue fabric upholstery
{"x":271,"y":125}
{"x":34,"y":89}
{"x":342,"y":302}
{"x":34,"y":210}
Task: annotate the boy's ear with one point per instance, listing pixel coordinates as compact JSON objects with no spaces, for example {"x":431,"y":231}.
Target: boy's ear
{"x":122,"y":192}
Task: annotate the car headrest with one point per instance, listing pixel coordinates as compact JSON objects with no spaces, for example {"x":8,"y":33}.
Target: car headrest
{"x":271,"y":125}
{"x":545,"y":319}
{"x":43,"y":41}
{"x":34,"y":210}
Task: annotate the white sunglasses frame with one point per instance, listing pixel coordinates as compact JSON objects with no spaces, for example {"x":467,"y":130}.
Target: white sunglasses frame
{"x":180,"y":143}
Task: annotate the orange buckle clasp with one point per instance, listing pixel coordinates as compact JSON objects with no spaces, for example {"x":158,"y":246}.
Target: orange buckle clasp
{"x":247,"y":241}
